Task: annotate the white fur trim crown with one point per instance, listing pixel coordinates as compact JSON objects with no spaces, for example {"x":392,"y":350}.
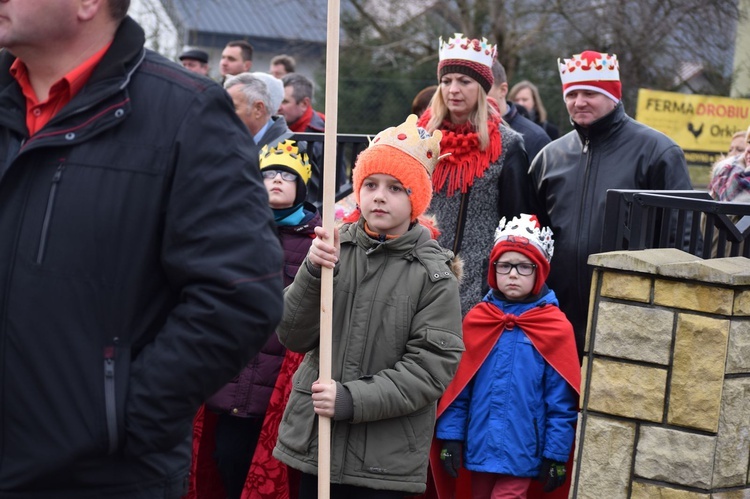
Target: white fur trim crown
{"x":527,"y":227}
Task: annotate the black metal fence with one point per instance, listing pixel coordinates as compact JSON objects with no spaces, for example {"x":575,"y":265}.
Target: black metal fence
{"x":348,"y":146}
{"x":636,"y":219}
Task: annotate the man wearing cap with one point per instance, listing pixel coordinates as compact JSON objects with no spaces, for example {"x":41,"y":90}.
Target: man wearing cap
{"x":196,"y":61}
{"x":606,"y":150}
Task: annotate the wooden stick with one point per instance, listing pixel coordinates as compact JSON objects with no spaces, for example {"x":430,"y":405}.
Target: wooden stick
{"x":329,"y":201}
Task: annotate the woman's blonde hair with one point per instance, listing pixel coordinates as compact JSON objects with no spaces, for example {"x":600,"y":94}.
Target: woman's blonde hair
{"x":478,"y":117}
{"x":541,"y":112}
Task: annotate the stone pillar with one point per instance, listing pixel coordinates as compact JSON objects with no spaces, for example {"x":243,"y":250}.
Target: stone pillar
{"x":666,"y":378}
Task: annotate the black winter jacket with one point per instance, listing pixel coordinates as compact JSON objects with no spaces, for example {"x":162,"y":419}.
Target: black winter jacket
{"x":139,"y":271}
{"x":571,"y":177}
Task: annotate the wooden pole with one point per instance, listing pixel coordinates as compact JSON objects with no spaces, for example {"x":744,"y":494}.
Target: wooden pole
{"x":329,"y":201}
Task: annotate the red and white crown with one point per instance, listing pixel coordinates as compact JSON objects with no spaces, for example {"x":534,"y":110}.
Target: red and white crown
{"x":527,"y":227}
{"x":589,"y":66}
{"x":460,"y":47}
{"x":591,"y":70}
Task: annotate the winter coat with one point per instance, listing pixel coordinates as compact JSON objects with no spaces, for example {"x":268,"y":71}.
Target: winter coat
{"x":534,"y":136}
{"x":396,"y":346}
{"x":278,"y":132}
{"x":247,"y":395}
{"x":491,"y":198}
{"x":570,"y":178}
{"x":517,"y":409}
{"x":139,"y":271}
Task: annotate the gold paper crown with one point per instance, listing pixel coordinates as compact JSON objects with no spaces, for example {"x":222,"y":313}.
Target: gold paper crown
{"x":460,"y":47}
{"x":416,"y":142}
{"x":288,"y":155}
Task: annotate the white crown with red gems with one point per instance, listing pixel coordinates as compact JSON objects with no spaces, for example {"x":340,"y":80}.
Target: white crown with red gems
{"x":460,"y":47}
{"x":589,"y":66}
{"x":527,"y":226}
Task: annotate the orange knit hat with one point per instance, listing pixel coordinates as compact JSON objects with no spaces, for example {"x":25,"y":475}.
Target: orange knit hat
{"x":406,"y":153}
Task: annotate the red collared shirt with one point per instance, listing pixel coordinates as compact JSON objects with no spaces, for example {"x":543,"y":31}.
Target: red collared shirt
{"x":38,"y":113}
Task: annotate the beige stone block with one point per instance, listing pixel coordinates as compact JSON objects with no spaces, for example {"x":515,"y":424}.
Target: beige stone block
{"x":742,"y":303}
{"x":634,"y":332}
{"x":738,"y":351}
{"x":648,"y":491}
{"x":626,"y":287}
{"x":645,"y":261}
{"x":698,"y":371}
{"x":627,"y":390}
{"x":733,"y":440}
{"x":734,"y":494}
{"x":693,"y":296}
{"x":606,"y":459}
{"x":675,"y":457}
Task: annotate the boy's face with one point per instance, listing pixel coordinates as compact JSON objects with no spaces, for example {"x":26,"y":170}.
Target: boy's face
{"x":385,"y":205}
{"x":281,"y":190}
{"x":514,"y":285}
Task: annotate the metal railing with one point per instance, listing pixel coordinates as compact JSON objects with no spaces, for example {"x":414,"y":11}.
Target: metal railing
{"x":348,"y":146}
{"x":636,"y":219}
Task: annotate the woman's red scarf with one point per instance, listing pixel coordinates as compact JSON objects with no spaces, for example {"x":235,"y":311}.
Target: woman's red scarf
{"x":466,"y":161}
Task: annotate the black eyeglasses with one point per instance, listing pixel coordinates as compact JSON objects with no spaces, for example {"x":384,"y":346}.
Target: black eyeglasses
{"x":521,"y":268}
{"x":271,"y":174}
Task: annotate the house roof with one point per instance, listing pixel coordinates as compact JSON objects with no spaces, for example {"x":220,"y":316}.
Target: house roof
{"x":294,"y":20}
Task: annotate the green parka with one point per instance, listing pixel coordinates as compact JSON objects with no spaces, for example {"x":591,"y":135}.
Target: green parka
{"x":396,"y":346}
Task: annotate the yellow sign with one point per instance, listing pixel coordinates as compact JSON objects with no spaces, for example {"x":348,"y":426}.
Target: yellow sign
{"x":702,"y":125}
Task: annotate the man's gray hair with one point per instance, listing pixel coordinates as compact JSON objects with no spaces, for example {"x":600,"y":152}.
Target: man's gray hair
{"x":255,"y":86}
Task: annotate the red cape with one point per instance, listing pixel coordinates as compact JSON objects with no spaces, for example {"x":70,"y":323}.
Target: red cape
{"x":267,"y":478}
{"x":551,"y":334}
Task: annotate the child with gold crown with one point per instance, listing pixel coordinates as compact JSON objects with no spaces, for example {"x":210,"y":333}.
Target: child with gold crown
{"x":396,"y":330}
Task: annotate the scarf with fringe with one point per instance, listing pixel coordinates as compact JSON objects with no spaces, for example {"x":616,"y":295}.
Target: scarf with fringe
{"x":466,"y":161}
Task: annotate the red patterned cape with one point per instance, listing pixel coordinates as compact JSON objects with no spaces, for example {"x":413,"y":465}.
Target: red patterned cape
{"x":268,"y":478}
{"x":551,"y":334}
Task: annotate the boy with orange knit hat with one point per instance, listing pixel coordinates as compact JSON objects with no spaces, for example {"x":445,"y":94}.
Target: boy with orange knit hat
{"x":396,"y":330}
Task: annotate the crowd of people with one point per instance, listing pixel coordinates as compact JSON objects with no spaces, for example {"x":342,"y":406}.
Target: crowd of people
{"x":162,"y":258}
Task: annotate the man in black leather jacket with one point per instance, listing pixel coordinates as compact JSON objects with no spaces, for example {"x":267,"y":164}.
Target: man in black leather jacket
{"x":139,"y":265}
{"x":570,"y":177}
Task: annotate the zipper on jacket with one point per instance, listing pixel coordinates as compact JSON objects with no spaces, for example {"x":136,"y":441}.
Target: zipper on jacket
{"x":536,"y":438}
{"x":586,"y":146}
{"x":48,"y":213}
{"x":110,"y":403}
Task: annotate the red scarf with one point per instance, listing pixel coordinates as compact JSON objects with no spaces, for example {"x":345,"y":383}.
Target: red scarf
{"x":303,"y":121}
{"x":466,"y":161}
{"x":551,"y":334}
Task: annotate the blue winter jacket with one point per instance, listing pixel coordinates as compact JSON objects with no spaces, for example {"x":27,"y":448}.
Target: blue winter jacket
{"x":523,"y":409}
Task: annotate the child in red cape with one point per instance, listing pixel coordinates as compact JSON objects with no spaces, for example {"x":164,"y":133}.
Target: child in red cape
{"x":509,"y":415}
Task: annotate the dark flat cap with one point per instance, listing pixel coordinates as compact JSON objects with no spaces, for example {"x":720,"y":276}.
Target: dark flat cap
{"x":196,"y":54}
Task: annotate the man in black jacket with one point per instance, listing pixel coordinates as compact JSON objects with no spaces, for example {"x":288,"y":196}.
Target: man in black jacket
{"x":139,"y":266}
{"x":571,"y":176}
{"x":534,"y":136}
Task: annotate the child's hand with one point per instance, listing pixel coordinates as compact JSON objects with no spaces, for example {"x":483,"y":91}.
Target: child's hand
{"x":324,"y":398}
{"x":323,"y":254}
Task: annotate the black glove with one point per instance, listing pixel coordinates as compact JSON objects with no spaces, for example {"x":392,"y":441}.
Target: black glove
{"x":551,"y":474}
{"x":450,"y":455}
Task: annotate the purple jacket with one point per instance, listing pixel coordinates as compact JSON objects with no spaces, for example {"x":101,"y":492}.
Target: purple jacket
{"x":247,"y":395}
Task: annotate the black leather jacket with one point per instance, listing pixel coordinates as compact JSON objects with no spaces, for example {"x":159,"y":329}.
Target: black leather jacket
{"x":570,"y":178}
{"x":139,"y":271}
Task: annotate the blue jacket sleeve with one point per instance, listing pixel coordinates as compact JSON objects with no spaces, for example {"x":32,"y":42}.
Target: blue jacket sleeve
{"x":451,"y":425}
{"x":561,"y":403}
